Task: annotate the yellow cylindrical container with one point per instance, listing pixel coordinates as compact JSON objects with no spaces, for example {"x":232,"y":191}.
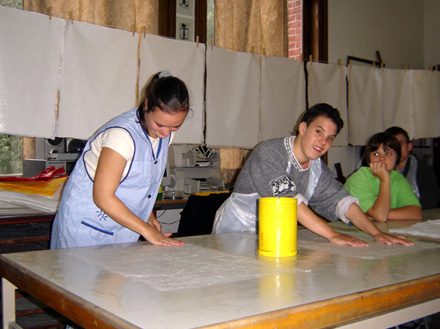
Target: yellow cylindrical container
{"x":277,"y":227}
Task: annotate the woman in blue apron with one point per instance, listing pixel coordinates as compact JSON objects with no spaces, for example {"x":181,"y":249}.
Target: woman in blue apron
{"x":110,"y":194}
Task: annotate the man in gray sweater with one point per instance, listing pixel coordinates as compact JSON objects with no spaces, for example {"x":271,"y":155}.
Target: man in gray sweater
{"x":291,"y":167}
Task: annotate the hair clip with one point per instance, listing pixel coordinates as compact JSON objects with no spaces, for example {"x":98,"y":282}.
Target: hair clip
{"x":164,"y":74}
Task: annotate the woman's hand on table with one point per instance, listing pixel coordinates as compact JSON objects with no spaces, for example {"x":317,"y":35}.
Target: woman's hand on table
{"x":152,"y":220}
{"x":390,"y":239}
{"x":154,"y":234}
{"x":347,"y":240}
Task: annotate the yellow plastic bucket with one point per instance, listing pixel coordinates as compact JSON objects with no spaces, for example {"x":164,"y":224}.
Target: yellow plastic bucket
{"x":277,"y":227}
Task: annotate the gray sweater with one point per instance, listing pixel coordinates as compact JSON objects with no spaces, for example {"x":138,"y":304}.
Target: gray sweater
{"x":268,"y":173}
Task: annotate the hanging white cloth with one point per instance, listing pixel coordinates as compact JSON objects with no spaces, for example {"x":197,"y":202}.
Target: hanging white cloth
{"x":98,"y":79}
{"x":364,"y":103}
{"x":186,"y":61}
{"x":282,"y":96}
{"x":327,"y":84}
{"x":30,"y":55}
{"x":397,"y":99}
{"x":232,"y":98}
{"x":426,"y":103}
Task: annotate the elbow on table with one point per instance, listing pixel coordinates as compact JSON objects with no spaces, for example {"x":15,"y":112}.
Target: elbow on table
{"x":418,"y":213}
{"x":380,"y":217}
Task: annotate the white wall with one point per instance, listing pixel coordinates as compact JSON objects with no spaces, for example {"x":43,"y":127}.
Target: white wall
{"x":394,"y":27}
{"x":432,"y":32}
{"x":406,"y":32}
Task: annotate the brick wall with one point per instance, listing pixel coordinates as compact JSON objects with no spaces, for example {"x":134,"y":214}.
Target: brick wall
{"x":294,"y":26}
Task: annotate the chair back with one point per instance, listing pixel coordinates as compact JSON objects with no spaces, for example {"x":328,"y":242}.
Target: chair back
{"x":197,"y":218}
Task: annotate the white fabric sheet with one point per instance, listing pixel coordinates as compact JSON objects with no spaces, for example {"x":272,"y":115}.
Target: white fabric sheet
{"x":249,"y":98}
{"x":365,"y":103}
{"x":282,"y":96}
{"x":375,"y":250}
{"x":32,"y":201}
{"x":30,"y":55}
{"x":397,"y":99}
{"x":327,"y":84}
{"x":426,"y":103}
{"x":98,"y":78}
{"x":227,"y":267}
{"x":232,"y":98}
{"x":427,"y":229}
{"x":185,"y":60}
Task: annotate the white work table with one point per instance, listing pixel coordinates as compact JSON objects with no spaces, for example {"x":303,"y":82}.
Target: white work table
{"x":220,"y":281}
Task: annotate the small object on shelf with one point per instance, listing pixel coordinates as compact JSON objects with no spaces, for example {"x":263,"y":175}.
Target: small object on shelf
{"x":203,"y":164}
{"x":160,"y":193}
{"x":172,"y":195}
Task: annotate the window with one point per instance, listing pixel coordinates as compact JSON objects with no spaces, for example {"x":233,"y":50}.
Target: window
{"x":191,"y":14}
{"x":11,"y":154}
{"x":210,"y":23}
{"x":11,"y":147}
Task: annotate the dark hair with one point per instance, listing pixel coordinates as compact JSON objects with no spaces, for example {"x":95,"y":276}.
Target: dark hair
{"x":167,"y":93}
{"x":395,"y":130}
{"x":323,"y":110}
{"x":387,"y":140}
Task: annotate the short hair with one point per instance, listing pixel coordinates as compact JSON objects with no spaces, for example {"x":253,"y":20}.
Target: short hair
{"x":395,"y":130}
{"x":387,"y":140}
{"x":323,"y":110}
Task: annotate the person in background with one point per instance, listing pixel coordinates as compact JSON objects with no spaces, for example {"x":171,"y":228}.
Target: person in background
{"x":420,"y":175}
{"x":383,"y":193}
{"x":110,"y":194}
{"x":291,"y":166}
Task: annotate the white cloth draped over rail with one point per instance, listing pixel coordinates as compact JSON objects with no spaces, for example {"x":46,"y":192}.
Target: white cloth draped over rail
{"x":282,"y":96}
{"x":249,"y":97}
{"x":95,"y":70}
{"x":396,"y":99}
{"x":380,"y":98}
{"x":185,"y":60}
{"x":108,"y":69}
{"x":98,"y":81}
{"x":426,"y":103}
{"x":365,"y":102}
{"x":232,"y":98}
{"x":30,"y":55}
{"x":327,"y":84}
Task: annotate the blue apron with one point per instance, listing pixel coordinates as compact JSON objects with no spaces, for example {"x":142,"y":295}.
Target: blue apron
{"x":79,"y":222}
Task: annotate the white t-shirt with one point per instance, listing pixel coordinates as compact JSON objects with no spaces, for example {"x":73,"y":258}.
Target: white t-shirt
{"x":119,"y":140}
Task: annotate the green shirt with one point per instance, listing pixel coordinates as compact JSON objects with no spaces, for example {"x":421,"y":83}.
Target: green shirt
{"x":363,"y":185}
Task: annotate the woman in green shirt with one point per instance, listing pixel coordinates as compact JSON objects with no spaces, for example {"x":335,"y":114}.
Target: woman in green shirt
{"x":383,"y":193}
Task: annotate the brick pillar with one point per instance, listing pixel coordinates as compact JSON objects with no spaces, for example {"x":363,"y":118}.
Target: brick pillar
{"x":295,"y":28}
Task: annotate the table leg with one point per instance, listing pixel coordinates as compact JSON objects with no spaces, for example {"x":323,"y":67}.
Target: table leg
{"x":8,"y":303}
